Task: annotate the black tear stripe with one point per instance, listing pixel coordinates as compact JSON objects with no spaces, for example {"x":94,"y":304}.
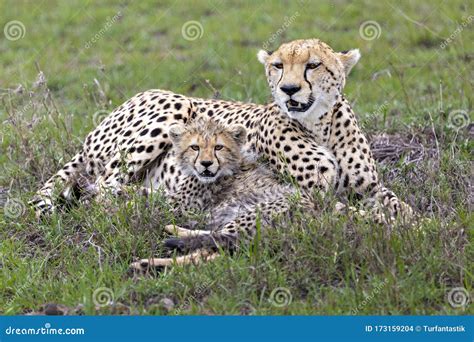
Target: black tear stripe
{"x":195,"y":159}
{"x":218,"y":161}
{"x":282,"y":72}
{"x":309,"y":83}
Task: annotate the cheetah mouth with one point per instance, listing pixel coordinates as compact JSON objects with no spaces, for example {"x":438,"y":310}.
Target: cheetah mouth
{"x":207,"y":174}
{"x":295,"y":106}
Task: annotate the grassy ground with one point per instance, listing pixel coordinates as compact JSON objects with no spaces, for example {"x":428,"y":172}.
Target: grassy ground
{"x":412,"y":91}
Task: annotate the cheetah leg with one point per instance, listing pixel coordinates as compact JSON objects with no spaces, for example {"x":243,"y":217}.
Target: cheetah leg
{"x":122,"y":167}
{"x":314,"y":167}
{"x":227,"y":237}
{"x":183,"y":232}
{"x":341,"y":208}
{"x":195,"y":258}
{"x":116,"y":176}
{"x":385,"y":206}
{"x":43,"y":201}
{"x":357,"y":167}
{"x":378,"y":210}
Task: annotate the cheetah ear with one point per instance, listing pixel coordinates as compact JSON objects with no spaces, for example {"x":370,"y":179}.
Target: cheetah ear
{"x":349,"y":59}
{"x":176,"y":132}
{"x":262,"y":56}
{"x":239,"y":133}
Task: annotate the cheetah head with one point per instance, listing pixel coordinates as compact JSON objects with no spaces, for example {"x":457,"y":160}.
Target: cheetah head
{"x":207,"y":149}
{"x":307,"y":77}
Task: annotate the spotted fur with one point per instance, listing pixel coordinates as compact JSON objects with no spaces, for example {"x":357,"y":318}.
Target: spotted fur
{"x":309,"y":132}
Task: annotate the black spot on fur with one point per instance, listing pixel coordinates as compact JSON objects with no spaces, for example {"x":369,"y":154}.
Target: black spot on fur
{"x":155,"y":132}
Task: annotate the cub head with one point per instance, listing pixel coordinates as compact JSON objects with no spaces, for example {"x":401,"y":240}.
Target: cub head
{"x":207,"y":149}
{"x":307,"y":77}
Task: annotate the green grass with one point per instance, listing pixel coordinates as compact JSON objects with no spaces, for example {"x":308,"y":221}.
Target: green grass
{"x":406,"y":85}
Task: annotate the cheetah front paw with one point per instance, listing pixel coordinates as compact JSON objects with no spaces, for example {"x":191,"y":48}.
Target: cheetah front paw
{"x":42,"y":206}
{"x":183,"y":232}
{"x":397,"y":209}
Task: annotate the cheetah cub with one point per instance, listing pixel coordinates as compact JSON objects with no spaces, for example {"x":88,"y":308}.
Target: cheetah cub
{"x":234,"y":193}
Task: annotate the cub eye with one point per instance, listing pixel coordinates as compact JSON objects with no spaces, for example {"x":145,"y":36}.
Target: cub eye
{"x":219,"y":147}
{"x":312,"y":65}
{"x":195,"y":147}
{"x":278,"y":65}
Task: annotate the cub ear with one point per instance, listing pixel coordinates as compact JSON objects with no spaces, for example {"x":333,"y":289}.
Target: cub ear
{"x":262,"y":56}
{"x":176,"y":132}
{"x":349,"y":59}
{"x":239,"y":133}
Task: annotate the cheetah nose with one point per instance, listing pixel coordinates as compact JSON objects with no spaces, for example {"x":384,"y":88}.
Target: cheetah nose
{"x":206,"y":163}
{"x":290,"y":89}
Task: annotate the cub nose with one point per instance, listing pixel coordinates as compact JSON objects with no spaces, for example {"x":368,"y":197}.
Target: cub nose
{"x":206,"y":163}
{"x":290,"y":89}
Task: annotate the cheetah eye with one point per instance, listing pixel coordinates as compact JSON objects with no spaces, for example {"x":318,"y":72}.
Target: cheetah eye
{"x":219,"y":147}
{"x":278,"y":65}
{"x":312,"y":65}
{"x":195,"y":147}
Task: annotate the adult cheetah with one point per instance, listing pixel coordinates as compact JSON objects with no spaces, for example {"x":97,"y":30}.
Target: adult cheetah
{"x":309,"y":132}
